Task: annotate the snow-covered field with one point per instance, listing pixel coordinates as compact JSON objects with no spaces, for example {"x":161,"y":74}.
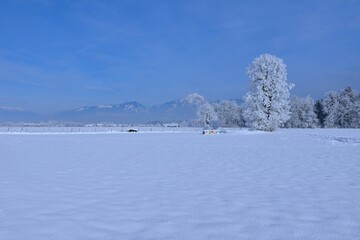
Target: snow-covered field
{"x":290,"y":184}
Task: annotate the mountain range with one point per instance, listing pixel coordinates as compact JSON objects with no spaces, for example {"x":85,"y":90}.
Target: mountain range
{"x":126,"y":113}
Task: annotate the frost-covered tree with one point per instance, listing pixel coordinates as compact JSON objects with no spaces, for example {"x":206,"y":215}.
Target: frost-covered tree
{"x":229,"y":114}
{"x":267,"y":102}
{"x":348,"y":112}
{"x":357,"y":111}
{"x":207,"y":115}
{"x":342,"y":109}
{"x":331,"y":106}
{"x":302,"y":113}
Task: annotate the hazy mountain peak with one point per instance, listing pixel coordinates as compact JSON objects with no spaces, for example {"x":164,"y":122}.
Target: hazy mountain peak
{"x":81,"y":109}
{"x":133,"y":107}
{"x":105,"y":106}
{"x":194,"y":99}
{"x":127,"y":106}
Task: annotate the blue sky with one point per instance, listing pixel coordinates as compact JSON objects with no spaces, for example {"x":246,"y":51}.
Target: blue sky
{"x":57,"y":55}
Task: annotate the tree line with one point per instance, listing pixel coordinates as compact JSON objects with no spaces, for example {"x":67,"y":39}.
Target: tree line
{"x":268,"y":104}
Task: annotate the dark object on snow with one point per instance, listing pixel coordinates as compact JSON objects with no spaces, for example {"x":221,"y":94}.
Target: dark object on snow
{"x":212,"y":131}
{"x":132,"y":130}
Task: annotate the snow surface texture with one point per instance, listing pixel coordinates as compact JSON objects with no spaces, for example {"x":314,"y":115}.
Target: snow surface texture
{"x":289,"y":184}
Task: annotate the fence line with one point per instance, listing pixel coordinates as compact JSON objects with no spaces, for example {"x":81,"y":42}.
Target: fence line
{"x":94,"y":129}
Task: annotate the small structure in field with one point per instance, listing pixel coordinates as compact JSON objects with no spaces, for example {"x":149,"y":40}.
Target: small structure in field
{"x":132,"y":130}
{"x":210,"y":131}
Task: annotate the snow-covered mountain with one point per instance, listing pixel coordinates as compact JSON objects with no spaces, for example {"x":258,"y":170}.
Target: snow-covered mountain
{"x":178,"y":110}
{"x":135,"y":112}
{"x":129,"y":107}
{"x":129,"y":112}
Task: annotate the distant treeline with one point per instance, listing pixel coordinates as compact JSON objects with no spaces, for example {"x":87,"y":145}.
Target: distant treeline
{"x":337,"y":110}
{"x":269,"y":105}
